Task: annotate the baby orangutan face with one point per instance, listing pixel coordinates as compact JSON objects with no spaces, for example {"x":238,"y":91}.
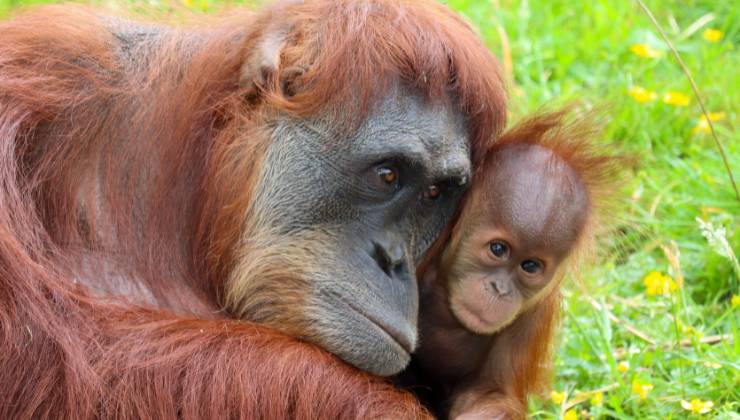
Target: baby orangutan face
{"x":518,"y":227}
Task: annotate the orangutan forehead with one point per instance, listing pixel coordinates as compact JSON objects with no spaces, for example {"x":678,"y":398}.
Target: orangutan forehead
{"x":535,"y":195}
{"x":405,"y":127}
{"x":417,"y":127}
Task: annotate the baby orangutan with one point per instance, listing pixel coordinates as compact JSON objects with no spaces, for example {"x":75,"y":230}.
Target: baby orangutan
{"x":489,"y":288}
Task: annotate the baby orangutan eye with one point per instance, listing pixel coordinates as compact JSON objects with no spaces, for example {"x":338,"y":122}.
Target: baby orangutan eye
{"x":499,"y":249}
{"x":531,"y":266}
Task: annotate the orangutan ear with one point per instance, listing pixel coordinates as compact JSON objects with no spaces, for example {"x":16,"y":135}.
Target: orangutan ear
{"x":263,"y":64}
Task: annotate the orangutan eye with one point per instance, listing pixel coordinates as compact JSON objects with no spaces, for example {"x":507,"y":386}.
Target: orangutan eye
{"x":499,"y":249}
{"x":531,"y":266}
{"x":433,"y":192}
{"x":387,"y":174}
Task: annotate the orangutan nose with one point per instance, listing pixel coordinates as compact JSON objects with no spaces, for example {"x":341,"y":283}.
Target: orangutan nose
{"x":501,"y":287}
{"x":391,"y":258}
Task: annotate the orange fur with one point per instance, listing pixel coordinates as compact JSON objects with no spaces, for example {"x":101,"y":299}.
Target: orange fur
{"x":521,"y":351}
{"x":125,"y":178}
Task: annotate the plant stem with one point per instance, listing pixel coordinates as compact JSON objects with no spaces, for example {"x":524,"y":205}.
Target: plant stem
{"x":699,"y":99}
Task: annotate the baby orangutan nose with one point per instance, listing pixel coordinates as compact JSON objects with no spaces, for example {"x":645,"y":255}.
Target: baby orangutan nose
{"x":500,"y":287}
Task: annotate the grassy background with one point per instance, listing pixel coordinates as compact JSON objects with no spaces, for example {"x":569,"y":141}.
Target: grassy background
{"x":616,"y":339}
{"x":622,"y":352}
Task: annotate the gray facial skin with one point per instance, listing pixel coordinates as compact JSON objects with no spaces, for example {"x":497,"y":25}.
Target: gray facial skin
{"x":353,"y":239}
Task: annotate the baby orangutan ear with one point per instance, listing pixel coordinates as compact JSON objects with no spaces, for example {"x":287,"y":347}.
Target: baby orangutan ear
{"x":261,"y":67}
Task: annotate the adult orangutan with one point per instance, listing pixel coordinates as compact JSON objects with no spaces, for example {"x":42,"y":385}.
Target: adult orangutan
{"x":160,"y":187}
{"x":490,"y":288}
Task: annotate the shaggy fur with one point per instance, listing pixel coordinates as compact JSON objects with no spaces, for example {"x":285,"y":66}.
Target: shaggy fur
{"x":128,"y":156}
{"x":517,"y":362}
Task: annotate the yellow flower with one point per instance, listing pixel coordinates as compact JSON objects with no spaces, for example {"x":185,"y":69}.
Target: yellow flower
{"x":623,"y":366}
{"x":712,"y":35}
{"x":645,"y":51}
{"x":658,"y":284}
{"x":557,"y":397}
{"x":713,"y":116}
{"x":570,"y":415}
{"x":676,"y":98}
{"x":735,"y":301}
{"x":640,"y":94}
{"x":703,"y":125}
{"x":697,"y":406}
{"x":690,"y":332}
{"x":597,"y":399}
{"x":641,"y":389}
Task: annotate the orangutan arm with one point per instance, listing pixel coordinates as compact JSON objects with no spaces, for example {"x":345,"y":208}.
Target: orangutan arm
{"x":150,"y":364}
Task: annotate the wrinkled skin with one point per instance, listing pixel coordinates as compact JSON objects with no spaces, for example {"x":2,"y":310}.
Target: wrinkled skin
{"x":359,"y":210}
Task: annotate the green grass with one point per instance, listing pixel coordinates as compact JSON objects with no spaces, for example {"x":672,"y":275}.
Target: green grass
{"x":561,"y":51}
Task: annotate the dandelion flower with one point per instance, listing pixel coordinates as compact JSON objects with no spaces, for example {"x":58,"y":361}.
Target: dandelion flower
{"x":641,"y":389}
{"x":703,"y":125}
{"x":712,"y":35}
{"x":735,"y":301}
{"x":645,"y":51}
{"x":641,"y":95}
{"x":570,"y":415}
{"x":697,"y":406}
{"x":676,"y":99}
{"x":657,"y":284}
{"x":557,"y":397}
{"x":623,"y":366}
{"x":597,"y":399}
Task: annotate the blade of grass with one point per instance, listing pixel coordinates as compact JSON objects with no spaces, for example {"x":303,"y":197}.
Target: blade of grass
{"x":699,"y":99}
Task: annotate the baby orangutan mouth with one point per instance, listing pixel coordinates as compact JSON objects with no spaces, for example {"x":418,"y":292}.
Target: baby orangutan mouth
{"x":482,"y":307}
